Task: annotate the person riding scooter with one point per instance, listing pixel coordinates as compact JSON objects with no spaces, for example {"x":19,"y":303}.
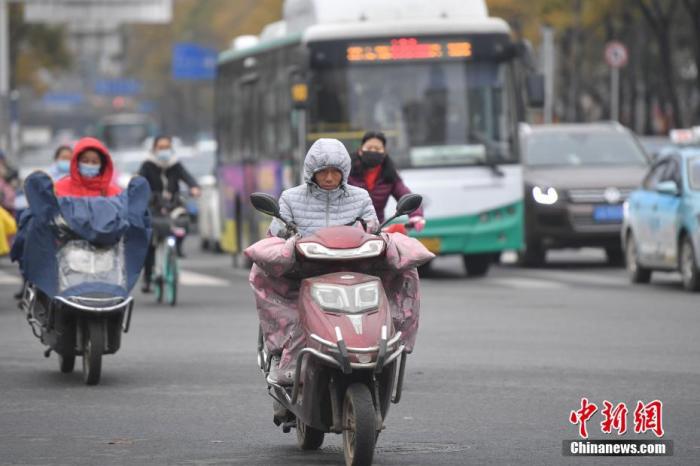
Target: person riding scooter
{"x":81,"y":246}
{"x":339,"y":307}
{"x":90,"y":173}
{"x":325,"y":199}
{"x":374,"y":170}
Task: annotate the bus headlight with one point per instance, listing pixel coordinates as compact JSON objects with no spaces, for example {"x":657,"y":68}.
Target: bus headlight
{"x":546,"y":197}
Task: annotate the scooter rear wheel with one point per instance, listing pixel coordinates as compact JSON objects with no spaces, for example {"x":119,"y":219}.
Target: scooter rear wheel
{"x":92,"y":353}
{"x":308,"y":438}
{"x":359,"y":425}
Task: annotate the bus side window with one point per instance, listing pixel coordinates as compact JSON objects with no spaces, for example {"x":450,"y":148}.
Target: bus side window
{"x":249,"y":117}
{"x":237,"y":120}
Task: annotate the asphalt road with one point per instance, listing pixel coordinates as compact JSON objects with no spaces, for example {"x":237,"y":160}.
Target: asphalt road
{"x":499,"y":364}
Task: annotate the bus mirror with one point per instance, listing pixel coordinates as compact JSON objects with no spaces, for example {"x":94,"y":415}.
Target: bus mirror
{"x":300,"y":94}
{"x":535,"y":90}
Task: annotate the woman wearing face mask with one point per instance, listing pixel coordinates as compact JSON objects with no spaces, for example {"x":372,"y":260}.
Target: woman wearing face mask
{"x":90,"y":172}
{"x":373,"y":170}
{"x":164,"y":173}
{"x":61,"y":163}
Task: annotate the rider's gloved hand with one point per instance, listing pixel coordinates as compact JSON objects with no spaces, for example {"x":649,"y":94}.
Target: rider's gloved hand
{"x":417,"y":222}
{"x":395,"y":228}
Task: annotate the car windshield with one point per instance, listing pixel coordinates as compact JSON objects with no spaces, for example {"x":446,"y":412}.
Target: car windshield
{"x":694,"y":172}
{"x":560,"y":148}
{"x":201,"y":164}
{"x":125,"y":135}
{"x":129,"y":167}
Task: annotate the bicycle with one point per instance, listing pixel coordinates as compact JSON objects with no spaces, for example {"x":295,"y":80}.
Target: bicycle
{"x":166,"y":271}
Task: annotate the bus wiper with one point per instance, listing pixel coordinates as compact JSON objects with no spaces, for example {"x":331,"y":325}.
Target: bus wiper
{"x":491,"y":148}
{"x":495,"y":169}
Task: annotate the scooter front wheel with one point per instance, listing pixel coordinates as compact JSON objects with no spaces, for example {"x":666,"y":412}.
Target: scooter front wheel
{"x":308,"y":438}
{"x":66,"y":363}
{"x":359,"y":425}
{"x":92,"y":352}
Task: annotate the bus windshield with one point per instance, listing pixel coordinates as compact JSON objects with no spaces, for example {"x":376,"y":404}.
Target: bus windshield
{"x":437,"y":113}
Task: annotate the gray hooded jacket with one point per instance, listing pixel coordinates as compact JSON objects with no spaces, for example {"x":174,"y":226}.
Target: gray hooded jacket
{"x":311,"y":207}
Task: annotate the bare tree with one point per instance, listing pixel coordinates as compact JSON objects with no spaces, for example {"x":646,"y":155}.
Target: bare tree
{"x":660,"y":21}
{"x":693,"y":8}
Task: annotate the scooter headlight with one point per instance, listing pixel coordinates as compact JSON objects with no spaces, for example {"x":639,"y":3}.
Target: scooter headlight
{"x":371,"y":248}
{"x":349,"y":299}
{"x":90,"y":261}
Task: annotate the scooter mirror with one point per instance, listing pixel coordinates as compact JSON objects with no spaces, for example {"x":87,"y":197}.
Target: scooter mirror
{"x":408,"y":203}
{"x":265,"y":204}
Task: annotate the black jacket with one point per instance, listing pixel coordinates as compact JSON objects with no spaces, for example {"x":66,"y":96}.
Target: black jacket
{"x":166,"y":180}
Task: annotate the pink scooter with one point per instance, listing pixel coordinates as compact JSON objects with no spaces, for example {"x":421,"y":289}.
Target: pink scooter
{"x":353,"y":362}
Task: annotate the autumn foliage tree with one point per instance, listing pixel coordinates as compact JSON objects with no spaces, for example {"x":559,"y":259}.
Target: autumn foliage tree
{"x":660,"y":87}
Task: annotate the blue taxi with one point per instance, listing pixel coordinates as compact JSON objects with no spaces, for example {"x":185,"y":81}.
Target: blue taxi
{"x":661,"y":218}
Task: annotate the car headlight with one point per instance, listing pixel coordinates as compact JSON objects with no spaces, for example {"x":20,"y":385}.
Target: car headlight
{"x":546,"y":197}
{"x":349,"y":299}
{"x":371,"y":248}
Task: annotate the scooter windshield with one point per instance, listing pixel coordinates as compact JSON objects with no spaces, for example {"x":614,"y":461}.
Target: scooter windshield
{"x":81,"y":262}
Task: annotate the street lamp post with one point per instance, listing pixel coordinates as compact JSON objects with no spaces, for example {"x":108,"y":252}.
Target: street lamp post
{"x":4,"y":76}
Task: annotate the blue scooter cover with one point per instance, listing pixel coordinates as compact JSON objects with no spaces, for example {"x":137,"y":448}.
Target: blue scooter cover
{"x":101,"y":221}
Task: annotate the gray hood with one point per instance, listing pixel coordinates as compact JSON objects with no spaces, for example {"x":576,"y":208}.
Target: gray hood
{"x":326,"y":153}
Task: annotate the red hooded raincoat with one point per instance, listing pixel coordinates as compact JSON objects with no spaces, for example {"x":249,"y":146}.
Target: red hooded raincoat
{"x":78,"y":186}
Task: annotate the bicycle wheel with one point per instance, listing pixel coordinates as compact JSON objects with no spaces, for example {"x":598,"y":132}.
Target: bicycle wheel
{"x":171,"y":276}
{"x":158,"y":274}
{"x":158,"y":288}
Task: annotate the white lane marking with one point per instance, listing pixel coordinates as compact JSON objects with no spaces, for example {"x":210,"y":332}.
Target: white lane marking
{"x":526,"y":283}
{"x":189,"y":278}
{"x":582,"y":278}
{"x":9,"y":279}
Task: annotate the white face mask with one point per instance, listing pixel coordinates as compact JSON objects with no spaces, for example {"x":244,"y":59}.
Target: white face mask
{"x":164,"y":155}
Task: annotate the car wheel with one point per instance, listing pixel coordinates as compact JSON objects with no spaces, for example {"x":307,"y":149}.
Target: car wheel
{"x":688,"y":267}
{"x":637,"y":273}
{"x":615,"y":255}
{"x":534,"y":255}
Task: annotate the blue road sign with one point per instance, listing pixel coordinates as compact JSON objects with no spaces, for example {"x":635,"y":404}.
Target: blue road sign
{"x":62,"y":99}
{"x":192,"y":61}
{"x":118,"y":86}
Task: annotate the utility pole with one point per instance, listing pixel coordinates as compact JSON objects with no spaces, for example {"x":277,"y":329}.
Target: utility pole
{"x":548,"y":70}
{"x":4,"y":76}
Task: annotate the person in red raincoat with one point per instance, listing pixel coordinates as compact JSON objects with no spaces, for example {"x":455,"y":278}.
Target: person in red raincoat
{"x":91,"y":172}
{"x":373,"y":170}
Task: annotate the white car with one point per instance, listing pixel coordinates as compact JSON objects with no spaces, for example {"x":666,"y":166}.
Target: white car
{"x":202,"y":165}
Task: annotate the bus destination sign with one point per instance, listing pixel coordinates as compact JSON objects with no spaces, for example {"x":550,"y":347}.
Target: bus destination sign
{"x":408,"y":49}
